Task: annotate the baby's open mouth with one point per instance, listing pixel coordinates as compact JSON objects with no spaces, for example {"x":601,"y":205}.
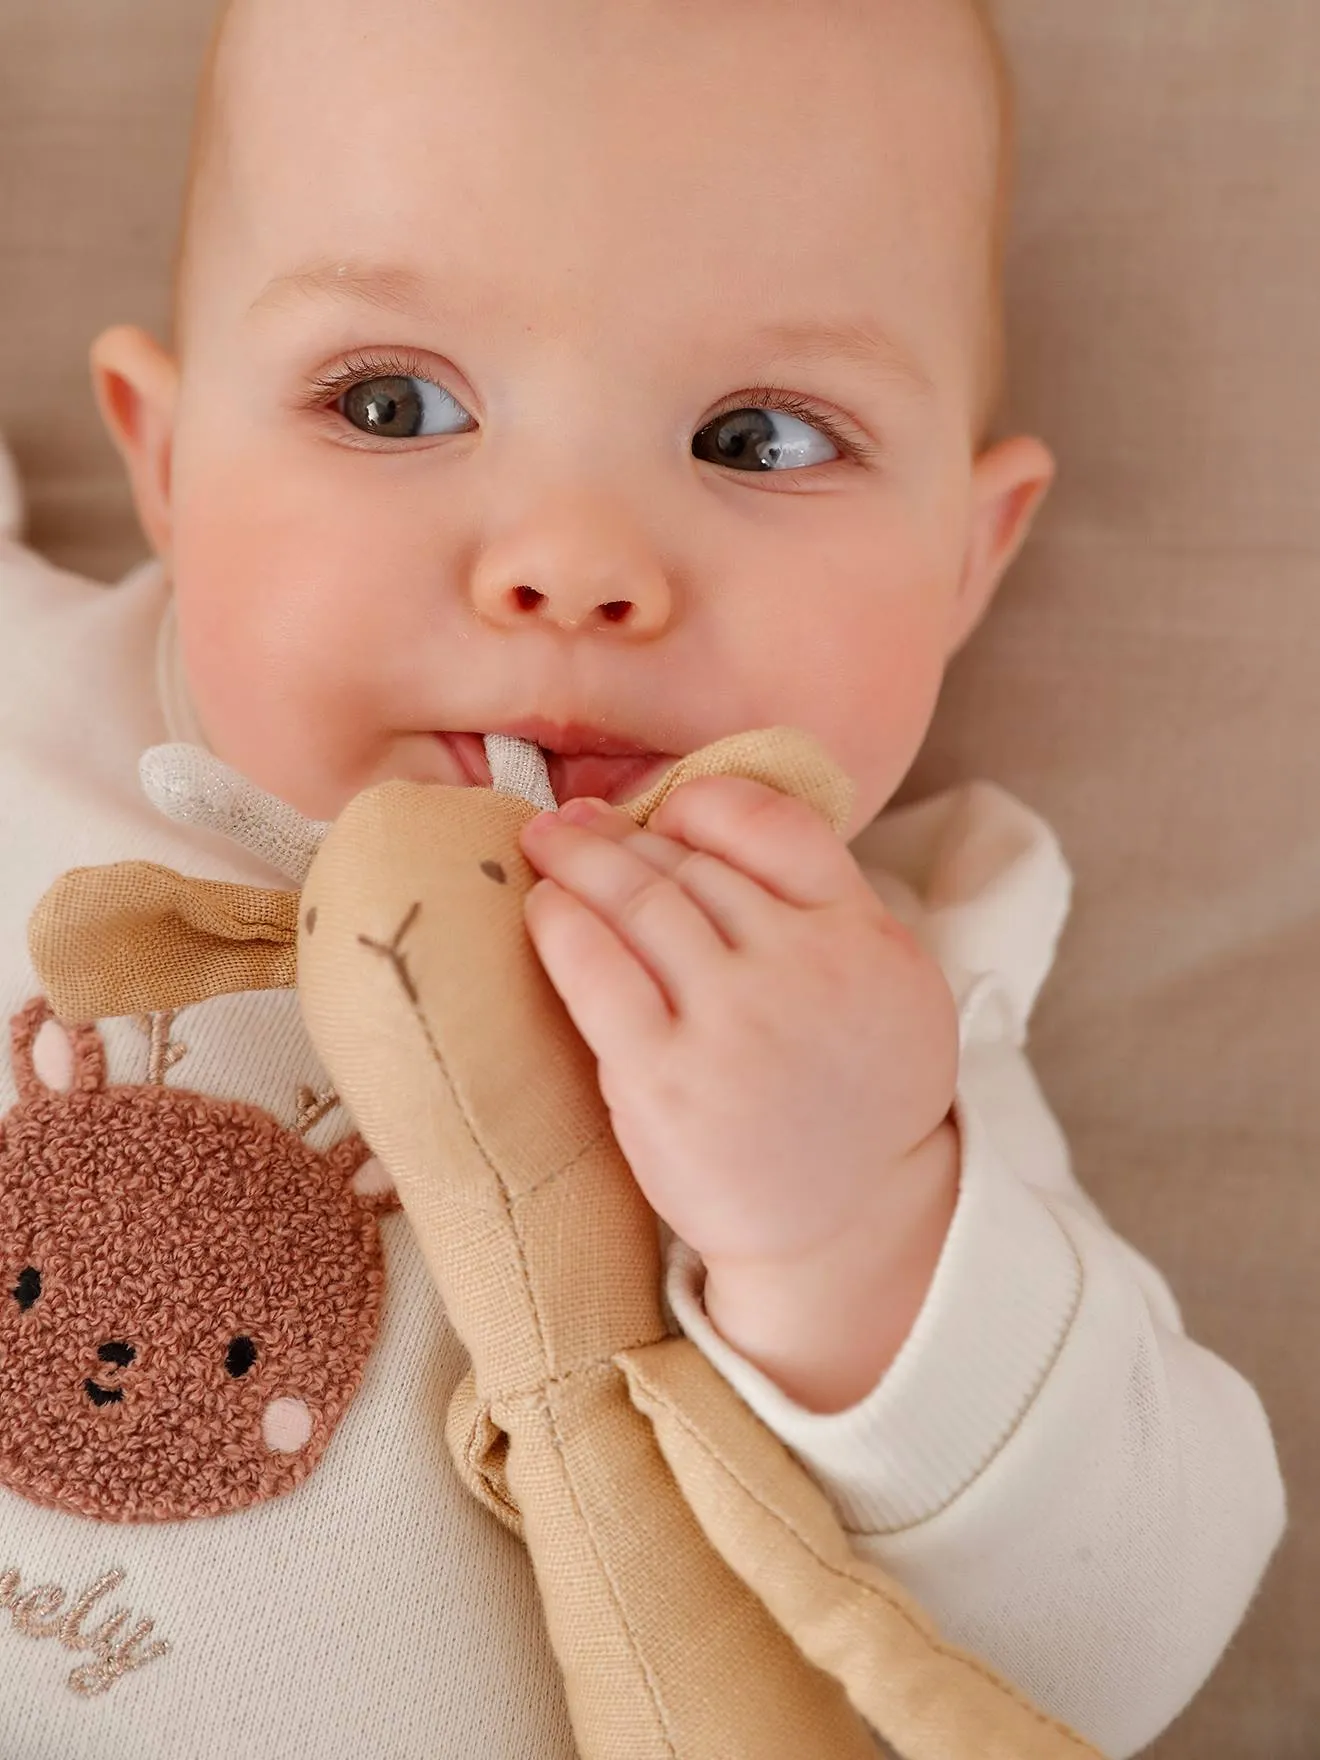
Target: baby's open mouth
{"x":613,"y":779}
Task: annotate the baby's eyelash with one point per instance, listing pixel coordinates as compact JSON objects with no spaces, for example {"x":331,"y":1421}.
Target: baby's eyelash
{"x":406,"y":365}
{"x":358,"y":367}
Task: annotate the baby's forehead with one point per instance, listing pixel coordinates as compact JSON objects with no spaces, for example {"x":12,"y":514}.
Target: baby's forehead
{"x":276,"y":66}
{"x":565,"y":95}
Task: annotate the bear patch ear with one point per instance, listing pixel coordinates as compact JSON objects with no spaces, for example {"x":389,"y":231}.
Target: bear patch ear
{"x":371,"y":1178}
{"x":365,"y":1175}
{"x":52,"y":1058}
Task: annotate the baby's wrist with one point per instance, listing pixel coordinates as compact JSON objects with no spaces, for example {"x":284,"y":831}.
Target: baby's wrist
{"x":826,"y":1328}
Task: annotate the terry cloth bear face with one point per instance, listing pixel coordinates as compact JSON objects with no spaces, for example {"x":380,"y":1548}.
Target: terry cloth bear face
{"x":188,"y":1291}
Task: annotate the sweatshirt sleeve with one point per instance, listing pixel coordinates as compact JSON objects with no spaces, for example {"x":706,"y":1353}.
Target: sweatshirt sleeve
{"x":1071,"y":1487}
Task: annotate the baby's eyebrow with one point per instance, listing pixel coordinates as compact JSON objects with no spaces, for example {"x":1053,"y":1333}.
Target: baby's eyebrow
{"x":374,"y":284}
{"x":860,"y":343}
{"x":390,"y":288}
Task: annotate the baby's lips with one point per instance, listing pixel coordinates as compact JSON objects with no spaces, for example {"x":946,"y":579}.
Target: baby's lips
{"x":612,"y":779}
{"x":470,"y":750}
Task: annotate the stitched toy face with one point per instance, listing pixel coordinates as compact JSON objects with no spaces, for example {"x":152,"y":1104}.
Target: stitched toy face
{"x":188,"y":1291}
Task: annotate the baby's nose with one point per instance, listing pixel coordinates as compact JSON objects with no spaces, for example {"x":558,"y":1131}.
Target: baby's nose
{"x":580,"y":565}
{"x":531,"y":598}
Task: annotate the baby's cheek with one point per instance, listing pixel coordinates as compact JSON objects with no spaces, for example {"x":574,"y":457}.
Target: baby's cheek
{"x":275,"y":661}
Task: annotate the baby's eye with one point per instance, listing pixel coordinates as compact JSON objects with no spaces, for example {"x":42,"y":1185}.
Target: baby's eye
{"x":762,"y":440}
{"x":401,"y":408}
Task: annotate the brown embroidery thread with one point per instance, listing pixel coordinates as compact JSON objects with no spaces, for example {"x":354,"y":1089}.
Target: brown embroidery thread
{"x":36,"y":1614}
{"x":312,"y":1107}
{"x":163,"y":1055}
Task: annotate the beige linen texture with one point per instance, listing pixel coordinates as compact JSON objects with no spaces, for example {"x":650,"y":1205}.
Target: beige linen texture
{"x":640,"y":1483}
{"x":1146,"y":682}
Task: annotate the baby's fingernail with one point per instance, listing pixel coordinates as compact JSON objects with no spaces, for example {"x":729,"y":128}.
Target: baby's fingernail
{"x":583,"y":809}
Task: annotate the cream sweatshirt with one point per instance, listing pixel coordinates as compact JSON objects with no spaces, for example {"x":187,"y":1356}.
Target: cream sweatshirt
{"x":1072,"y":1487}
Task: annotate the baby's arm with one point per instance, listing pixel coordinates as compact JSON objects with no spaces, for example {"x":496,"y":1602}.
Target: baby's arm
{"x":1071,"y":1487}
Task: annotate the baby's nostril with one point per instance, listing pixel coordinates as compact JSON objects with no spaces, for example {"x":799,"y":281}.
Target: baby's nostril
{"x":116,"y":1351}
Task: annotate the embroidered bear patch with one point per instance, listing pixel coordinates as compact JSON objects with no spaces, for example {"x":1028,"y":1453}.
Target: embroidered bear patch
{"x":188,"y":1292}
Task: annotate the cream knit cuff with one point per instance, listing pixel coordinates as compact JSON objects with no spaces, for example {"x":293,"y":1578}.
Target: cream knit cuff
{"x":1005,"y":1291}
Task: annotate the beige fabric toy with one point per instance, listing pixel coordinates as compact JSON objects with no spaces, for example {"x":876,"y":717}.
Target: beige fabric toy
{"x":640,"y":1482}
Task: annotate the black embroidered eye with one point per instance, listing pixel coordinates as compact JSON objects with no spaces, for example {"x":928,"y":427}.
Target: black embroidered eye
{"x":28,"y":1287}
{"x":240,"y":1356}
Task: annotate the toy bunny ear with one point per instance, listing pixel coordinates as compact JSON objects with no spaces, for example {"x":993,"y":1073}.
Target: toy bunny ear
{"x":193,"y":787}
{"x":135,"y":938}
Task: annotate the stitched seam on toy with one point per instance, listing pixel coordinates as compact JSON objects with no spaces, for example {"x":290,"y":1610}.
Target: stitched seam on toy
{"x":398,"y":962}
{"x":541,"y":1185}
{"x":524,"y":1395}
{"x":665,"y":1730}
{"x":959,"y":1658}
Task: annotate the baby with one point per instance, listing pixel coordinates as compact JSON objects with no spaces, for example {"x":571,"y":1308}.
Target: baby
{"x":494,"y":324}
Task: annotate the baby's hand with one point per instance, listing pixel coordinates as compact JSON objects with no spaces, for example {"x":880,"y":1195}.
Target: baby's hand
{"x":778,"y":1055}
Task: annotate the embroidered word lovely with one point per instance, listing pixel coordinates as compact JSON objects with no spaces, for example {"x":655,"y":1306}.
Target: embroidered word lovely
{"x":36,"y":1613}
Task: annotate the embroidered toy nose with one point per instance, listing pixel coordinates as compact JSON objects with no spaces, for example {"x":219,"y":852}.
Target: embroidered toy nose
{"x":116,"y":1351}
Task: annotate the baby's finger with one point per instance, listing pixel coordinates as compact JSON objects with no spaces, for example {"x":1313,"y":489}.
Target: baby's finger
{"x":774,"y":838}
{"x":614,"y":1002}
{"x":740,"y":909}
{"x":661,"y":852}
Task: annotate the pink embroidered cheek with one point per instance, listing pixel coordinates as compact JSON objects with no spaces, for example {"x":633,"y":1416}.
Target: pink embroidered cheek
{"x":286,"y":1425}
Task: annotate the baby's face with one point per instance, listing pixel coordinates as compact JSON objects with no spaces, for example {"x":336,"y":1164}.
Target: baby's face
{"x":610,"y":364}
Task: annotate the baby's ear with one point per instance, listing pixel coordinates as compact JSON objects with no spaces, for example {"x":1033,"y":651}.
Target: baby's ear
{"x":136,"y":383}
{"x":1009,"y":482}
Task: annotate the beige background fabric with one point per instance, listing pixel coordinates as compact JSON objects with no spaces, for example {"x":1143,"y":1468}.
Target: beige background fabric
{"x":1147,"y":679}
